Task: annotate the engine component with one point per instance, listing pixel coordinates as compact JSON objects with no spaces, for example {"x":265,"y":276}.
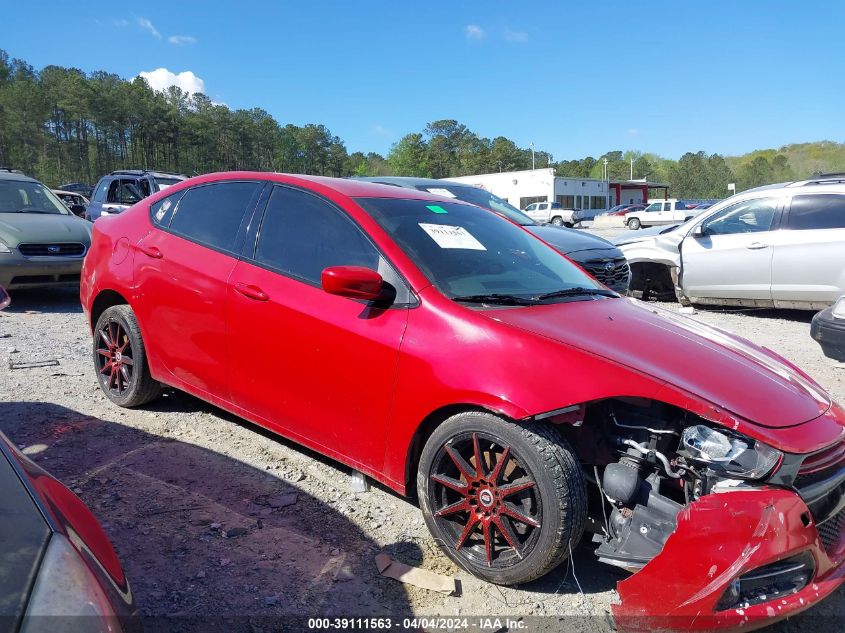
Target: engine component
{"x":621,"y":483}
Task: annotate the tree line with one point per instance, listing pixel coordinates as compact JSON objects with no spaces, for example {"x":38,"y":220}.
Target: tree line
{"x":61,"y":124}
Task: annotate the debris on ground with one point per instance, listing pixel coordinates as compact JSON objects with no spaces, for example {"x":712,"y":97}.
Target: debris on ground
{"x":421,"y":578}
{"x":33,"y":364}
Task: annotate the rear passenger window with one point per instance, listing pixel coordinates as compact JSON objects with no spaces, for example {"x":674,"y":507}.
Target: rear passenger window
{"x":302,"y":234}
{"x":822,"y":211}
{"x":162,"y":211}
{"x":212,"y":214}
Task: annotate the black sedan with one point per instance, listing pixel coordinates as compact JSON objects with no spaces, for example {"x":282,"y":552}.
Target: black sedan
{"x":597,"y":256}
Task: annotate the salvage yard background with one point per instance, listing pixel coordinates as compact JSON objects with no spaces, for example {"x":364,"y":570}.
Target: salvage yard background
{"x":212,"y":516}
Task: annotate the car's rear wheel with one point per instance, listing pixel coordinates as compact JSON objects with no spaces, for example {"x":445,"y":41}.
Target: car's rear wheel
{"x":557,"y":220}
{"x":506,"y":501}
{"x":121,"y":360}
{"x":634,"y":224}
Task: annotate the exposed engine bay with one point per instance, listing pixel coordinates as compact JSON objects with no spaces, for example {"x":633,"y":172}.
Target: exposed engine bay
{"x":645,"y":461}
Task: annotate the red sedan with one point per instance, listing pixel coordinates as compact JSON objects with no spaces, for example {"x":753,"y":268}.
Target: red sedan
{"x":446,"y":352}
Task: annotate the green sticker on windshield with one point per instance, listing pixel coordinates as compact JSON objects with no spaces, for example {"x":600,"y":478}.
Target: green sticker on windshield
{"x":436,"y":208}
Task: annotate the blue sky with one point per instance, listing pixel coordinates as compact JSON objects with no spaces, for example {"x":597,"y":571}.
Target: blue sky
{"x":577,"y":79}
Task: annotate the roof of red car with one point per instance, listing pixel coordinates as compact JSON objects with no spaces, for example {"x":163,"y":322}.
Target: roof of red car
{"x":344,"y":186}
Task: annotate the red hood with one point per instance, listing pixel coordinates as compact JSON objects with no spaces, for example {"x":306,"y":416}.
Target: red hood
{"x":750,"y":381}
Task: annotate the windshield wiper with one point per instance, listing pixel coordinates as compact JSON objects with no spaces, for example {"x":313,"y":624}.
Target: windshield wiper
{"x":503,"y":299}
{"x":28,"y":210}
{"x":575,"y":292}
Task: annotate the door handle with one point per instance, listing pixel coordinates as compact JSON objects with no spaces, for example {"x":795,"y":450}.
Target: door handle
{"x":756,"y":246}
{"x":251,"y":292}
{"x":151,"y":251}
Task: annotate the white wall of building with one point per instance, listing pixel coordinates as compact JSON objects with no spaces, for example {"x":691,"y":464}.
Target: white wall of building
{"x":521,"y":188}
{"x":514,"y":186}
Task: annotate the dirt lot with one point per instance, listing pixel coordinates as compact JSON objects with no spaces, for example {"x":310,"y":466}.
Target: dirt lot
{"x":211,"y":516}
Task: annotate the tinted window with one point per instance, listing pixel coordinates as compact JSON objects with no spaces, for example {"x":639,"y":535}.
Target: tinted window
{"x":162,"y":211}
{"x":302,"y":234}
{"x":212,"y":214}
{"x":824,"y":211}
{"x":751,"y":216}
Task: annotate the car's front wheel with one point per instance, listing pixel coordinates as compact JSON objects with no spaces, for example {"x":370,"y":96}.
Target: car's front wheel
{"x":121,"y":360}
{"x":634,"y":224}
{"x":506,"y":501}
{"x":557,"y":220}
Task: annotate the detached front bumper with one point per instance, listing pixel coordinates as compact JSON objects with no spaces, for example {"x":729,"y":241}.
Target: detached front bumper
{"x":720,"y":538}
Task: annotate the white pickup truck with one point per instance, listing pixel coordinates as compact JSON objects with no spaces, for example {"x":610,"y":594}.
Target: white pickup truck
{"x":671,"y":211}
{"x":552,"y":213}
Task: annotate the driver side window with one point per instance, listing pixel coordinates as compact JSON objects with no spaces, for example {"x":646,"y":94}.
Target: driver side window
{"x":750,"y":216}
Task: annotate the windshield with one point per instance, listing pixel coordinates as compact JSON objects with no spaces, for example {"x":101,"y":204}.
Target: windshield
{"x":480,"y":197}
{"x":164,"y":183}
{"x":20,"y":196}
{"x":469,"y":253}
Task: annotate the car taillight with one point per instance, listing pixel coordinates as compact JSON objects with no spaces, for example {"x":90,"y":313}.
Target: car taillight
{"x":67,"y":596}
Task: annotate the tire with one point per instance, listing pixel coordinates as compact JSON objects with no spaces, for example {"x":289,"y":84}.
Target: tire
{"x":557,"y":221}
{"x":120,"y":359}
{"x":569,"y":225}
{"x":541,"y":481}
{"x":634,"y":224}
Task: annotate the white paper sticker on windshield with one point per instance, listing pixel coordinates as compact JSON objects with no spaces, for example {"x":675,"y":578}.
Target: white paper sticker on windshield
{"x":452,"y":236}
{"x":438,"y":191}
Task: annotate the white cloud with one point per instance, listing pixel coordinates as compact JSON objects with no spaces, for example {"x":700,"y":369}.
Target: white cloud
{"x":633,"y":131}
{"x":145,"y":24}
{"x":182,"y":40}
{"x":379,"y":130}
{"x":120,"y":22}
{"x":516,"y":36}
{"x":474,"y":32}
{"x":160,"y":79}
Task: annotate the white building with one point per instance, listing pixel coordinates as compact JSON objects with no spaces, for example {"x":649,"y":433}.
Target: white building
{"x":522,"y":188}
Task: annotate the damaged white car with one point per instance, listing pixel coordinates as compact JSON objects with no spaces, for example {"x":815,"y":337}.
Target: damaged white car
{"x":779,"y":246}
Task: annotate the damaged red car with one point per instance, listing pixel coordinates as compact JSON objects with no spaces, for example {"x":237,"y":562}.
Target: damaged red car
{"x":448,"y":353}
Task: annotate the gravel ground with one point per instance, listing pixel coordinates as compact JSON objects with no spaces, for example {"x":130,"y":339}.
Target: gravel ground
{"x":213,"y":516}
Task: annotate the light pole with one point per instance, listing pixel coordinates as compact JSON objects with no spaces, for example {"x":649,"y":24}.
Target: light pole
{"x":532,"y":155}
{"x":606,"y":185}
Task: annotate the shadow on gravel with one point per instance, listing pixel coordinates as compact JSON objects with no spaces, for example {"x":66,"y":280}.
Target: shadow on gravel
{"x":208,"y":542}
{"x":46,"y":300}
{"x":799,"y":316}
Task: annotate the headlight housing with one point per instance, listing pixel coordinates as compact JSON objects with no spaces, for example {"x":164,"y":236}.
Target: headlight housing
{"x":732,"y":455}
{"x":839,"y":308}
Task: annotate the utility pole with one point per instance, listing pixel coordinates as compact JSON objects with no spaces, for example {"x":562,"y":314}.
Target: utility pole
{"x":632,"y":168}
{"x":532,"y":155}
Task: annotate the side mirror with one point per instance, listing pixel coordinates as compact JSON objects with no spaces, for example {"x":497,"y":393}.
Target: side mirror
{"x":699,"y":231}
{"x":355,"y":282}
{"x":4,"y":298}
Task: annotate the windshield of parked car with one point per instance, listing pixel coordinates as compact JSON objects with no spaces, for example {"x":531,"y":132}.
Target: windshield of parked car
{"x":20,"y":196}
{"x":482,"y":198}
{"x":164,"y":183}
{"x":475,"y":256}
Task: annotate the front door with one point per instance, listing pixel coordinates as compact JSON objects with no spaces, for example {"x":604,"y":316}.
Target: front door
{"x":317,"y":367}
{"x":732,"y":257}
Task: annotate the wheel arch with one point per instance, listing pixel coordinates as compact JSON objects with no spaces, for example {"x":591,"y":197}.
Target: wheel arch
{"x":424,"y":431}
{"x":104,"y":300}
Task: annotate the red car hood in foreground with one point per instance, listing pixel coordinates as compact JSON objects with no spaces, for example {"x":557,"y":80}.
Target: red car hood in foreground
{"x":750,"y":381}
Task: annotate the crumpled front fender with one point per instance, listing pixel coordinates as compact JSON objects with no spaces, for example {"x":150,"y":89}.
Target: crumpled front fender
{"x":719,"y":537}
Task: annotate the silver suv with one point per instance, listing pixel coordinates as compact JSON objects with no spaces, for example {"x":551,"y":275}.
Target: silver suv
{"x":121,"y":189}
{"x":777,"y":246}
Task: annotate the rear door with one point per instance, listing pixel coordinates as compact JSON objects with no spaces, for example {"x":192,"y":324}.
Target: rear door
{"x":314,"y":366}
{"x":732,"y":259}
{"x":809,"y":253}
{"x":181,"y":270}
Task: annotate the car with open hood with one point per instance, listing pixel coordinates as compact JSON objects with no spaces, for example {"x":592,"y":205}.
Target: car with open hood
{"x":597,"y":256}
{"x":448,"y":353}
{"x":58,"y":570}
{"x":42,"y":243}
